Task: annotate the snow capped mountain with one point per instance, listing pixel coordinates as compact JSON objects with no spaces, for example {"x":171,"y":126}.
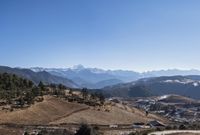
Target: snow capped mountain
{"x":91,"y":77}
{"x":77,"y":68}
{"x":37,"y":69}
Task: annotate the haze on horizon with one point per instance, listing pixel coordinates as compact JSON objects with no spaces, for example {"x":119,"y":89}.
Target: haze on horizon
{"x":130,"y":35}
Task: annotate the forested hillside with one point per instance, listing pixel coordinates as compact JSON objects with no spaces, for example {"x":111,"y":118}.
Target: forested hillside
{"x":14,"y":87}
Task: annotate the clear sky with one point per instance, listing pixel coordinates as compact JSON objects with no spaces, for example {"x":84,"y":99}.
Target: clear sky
{"x":137,"y":35}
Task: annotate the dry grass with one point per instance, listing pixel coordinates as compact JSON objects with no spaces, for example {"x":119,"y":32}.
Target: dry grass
{"x":117,"y":115}
{"x":184,"y":134}
{"x":55,"y":111}
{"x":11,"y":131}
{"x":41,"y":113}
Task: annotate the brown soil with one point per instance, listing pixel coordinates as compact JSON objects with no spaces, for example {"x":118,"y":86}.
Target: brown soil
{"x":55,"y":111}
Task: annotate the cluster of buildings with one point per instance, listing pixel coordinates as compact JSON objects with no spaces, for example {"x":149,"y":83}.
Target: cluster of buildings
{"x":176,"y":112}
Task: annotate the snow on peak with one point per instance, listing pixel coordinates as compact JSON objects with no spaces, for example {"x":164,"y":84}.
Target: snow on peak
{"x":78,"y":67}
{"x":195,"y":84}
{"x":163,"y":97}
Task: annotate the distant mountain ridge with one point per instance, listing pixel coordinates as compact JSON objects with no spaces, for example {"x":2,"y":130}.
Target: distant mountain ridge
{"x":114,"y":83}
{"x":36,"y":77}
{"x":157,"y":86}
{"x":99,"y":78}
{"x":92,"y":77}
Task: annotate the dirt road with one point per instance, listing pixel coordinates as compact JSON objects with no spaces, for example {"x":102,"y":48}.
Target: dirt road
{"x":175,"y":131}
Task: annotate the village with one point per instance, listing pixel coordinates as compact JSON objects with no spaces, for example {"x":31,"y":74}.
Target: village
{"x":185,"y":111}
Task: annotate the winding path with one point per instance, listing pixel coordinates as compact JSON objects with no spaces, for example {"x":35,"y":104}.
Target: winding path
{"x":71,"y":113}
{"x":175,"y":131}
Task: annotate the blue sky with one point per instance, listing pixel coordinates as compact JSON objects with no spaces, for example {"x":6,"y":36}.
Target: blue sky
{"x":137,"y":35}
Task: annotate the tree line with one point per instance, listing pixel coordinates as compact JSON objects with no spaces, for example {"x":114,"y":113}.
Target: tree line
{"x":13,"y":87}
{"x":21,"y":89}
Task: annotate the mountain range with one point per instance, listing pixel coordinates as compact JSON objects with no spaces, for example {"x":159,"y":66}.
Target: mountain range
{"x":117,"y":83}
{"x":99,"y":78}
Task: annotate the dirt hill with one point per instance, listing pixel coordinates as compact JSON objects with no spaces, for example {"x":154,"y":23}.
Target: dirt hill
{"x":55,"y":111}
{"x":41,"y":113}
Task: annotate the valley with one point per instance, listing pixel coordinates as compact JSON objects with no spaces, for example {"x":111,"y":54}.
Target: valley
{"x":99,"y":67}
{"x":137,"y":107}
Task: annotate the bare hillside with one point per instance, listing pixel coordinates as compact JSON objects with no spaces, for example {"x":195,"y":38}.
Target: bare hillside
{"x":115,"y":116}
{"x":55,"y":111}
{"x":41,"y":113}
